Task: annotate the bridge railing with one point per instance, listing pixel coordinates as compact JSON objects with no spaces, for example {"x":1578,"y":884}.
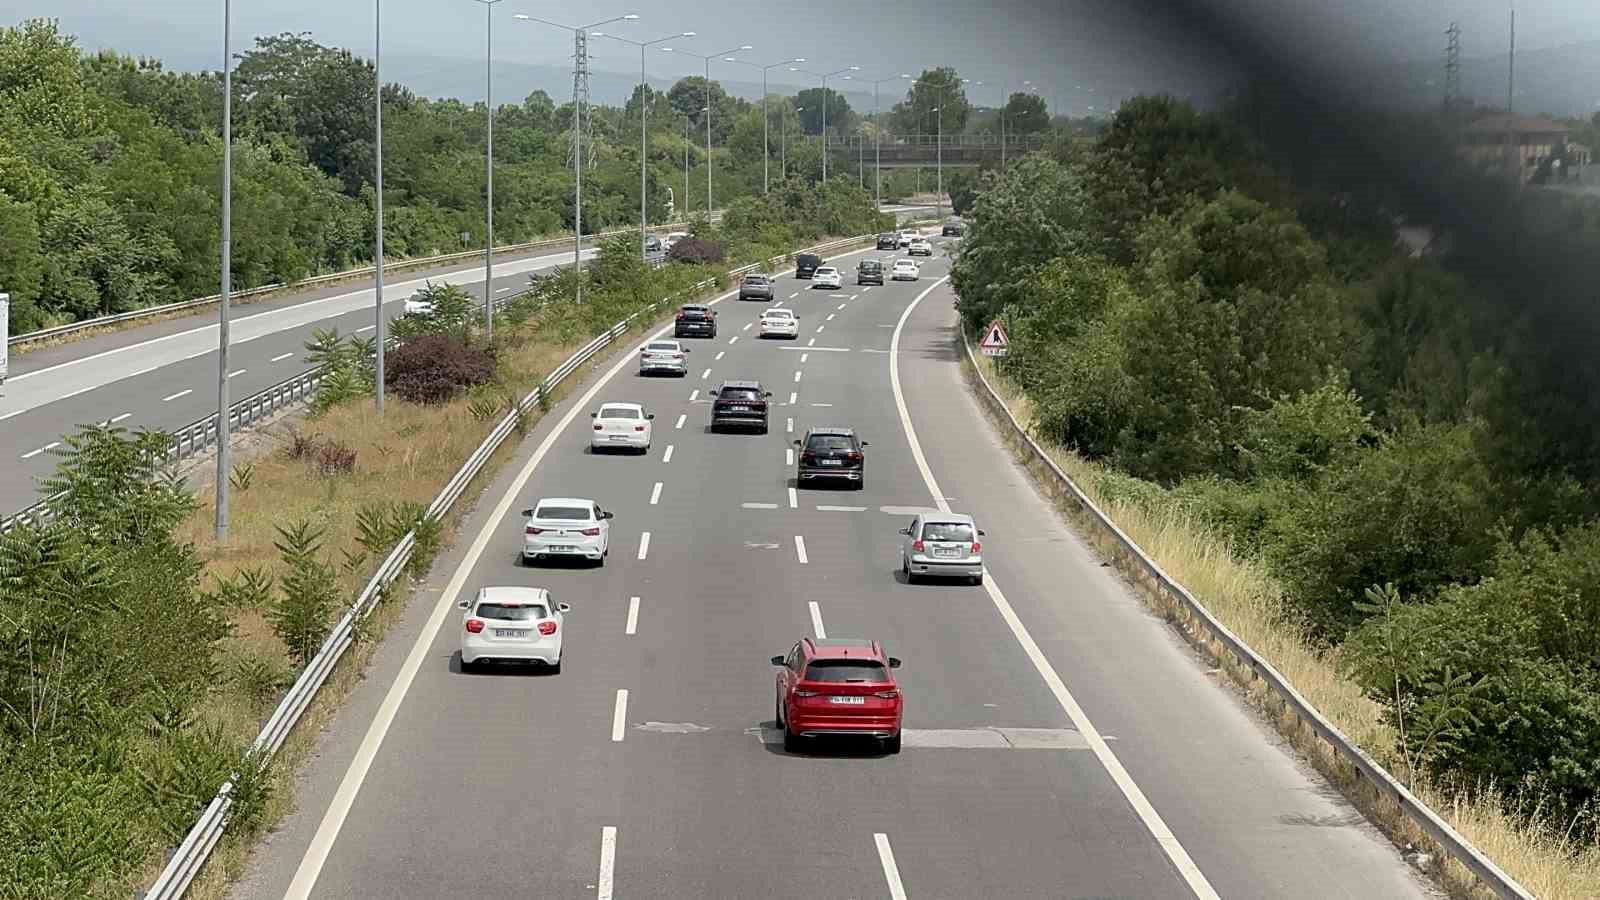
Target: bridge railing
{"x":1021,"y":143}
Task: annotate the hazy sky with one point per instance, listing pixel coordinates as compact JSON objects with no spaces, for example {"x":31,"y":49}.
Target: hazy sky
{"x":1066,"y":47}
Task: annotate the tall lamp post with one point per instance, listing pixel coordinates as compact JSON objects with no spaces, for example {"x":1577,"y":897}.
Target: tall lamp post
{"x":488,"y":166}
{"x":580,"y":68}
{"x":766,"y":154}
{"x":707,"y":59}
{"x":877,"y":114}
{"x":644,"y":250}
{"x":783,"y":144}
{"x":825,"y":76}
{"x":377,"y":224}
{"x":227,"y":274}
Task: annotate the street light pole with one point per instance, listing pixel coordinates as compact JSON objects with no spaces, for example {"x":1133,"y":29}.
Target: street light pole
{"x":825,"y":76}
{"x":877,"y":166}
{"x":488,"y":165}
{"x":938,"y":192}
{"x":707,"y":60}
{"x":644,"y":250}
{"x":377,"y":72}
{"x":766,"y":119}
{"x":783,"y":146}
{"x":227,"y":274}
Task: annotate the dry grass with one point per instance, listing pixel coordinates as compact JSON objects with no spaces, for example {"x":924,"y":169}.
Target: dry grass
{"x":1245,"y":598}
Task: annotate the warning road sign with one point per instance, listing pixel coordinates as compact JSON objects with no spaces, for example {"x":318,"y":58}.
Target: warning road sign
{"x":994,"y":340}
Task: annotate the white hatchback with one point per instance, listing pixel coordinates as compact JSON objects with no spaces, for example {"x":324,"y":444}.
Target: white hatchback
{"x":942,"y":545}
{"x":778,"y":322}
{"x":905,"y":270}
{"x":664,"y":356}
{"x":920,"y":247}
{"x":827,"y":277}
{"x":566,"y":528}
{"x":512,"y":624}
{"x":621,"y":425}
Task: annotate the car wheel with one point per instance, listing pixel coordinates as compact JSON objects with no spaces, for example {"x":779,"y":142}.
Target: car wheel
{"x":975,"y":580}
{"x":556,"y":669}
{"x":791,"y":741}
{"x":777,"y":712}
{"x":905,"y":569}
{"x":892,"y":745}
{"x":468,"y":668}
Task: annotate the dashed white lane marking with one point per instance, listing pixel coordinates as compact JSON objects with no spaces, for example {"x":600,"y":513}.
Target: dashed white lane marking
{"x":633,"y":616}
{"x":794,"y":295}
{"x":811,"y":347}
{"x":804,"y":357}
{"x":116,"y":419}
{"x":870,"y":350}
{"x":841,"y":509}
{"x":693,"y":394}
{"x":667,"y":456}
{"x":842,"y":305}
{"x":822,"y":404}
{"x":830,"y":317}
{"x":789,"y":426}
{"x":619,"y":715}
{"x":820,"y":327}
{"x":718,"y":357}
{"x":811,"y":343}
{"x":705,"y":374}
{"x":885,"y":324}
{"x":891,"y":872}
{"x":608,"y":862}
{"x":182,"y":393}
{"x":794,"y":499}
{"x":788,"y":456}
{"x":800,"y":551}
{"x":238,"y":373}
{"x":745,"y":328}
{"x":816,"y":620}
{"x":280,"y":357}
{"x":867,"y":288}
{"x":32,"y":453}
{"x":368,"y":328}
{"x":1080,"y":720}
{"x":793,"y":396}
{"x":760,"y":506}
{"x":644,"y":545}
{"x":681,"y":419}
{"x":796,"y":374}
{"x":655,"y":494}
{"x":735,"y":340}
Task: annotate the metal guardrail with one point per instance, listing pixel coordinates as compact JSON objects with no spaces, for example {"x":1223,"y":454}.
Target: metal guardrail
{"x":1417,"y":812}
{"x":191,"y":855}
{"x":1021,"y":143}
{"x":315,"y":280}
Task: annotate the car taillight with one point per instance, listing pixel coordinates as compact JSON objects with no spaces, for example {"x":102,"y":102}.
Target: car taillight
{"x":807,"y":454}
{"x":590,"y":532}
{"x":535,"y":530}
{"x":917,"y":545}
{"x":853,"y":456}
{"x":887,"y":695}
{"x":638,"y":428}
{"x":680,"y":316}
{"x":976,"y":547}
{"x":474,"y":626}
{"x":805,"y":693}
{"x":761,"y":404}
{"x":547,"y":628}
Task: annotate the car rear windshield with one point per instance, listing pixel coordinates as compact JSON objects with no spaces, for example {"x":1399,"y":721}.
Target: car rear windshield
{"x":739,"y":394}
{"x":947,"y":531}
{"x":829,"y":442}
{"x":827,"y":270}
{"x":871,"y":264}
{"x":618,"y":412}
{"x":567,"y":513}
{"x":694,"y":310}
{"x":520,"y":613}
{"x":844,"y":671}
{"x":755,"y":279}
{"x":662,"y":348}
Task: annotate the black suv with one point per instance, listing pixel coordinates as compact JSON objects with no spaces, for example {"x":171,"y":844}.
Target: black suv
{"x":805,"y":264}
{"x":953,"y":228}
{"x":741,"y":404}
{"x":832,"y":453}
{"x":869,"y":271}
{"x":756,"y":286}
{"x":889,"y":240}
{"x":695,"y":319}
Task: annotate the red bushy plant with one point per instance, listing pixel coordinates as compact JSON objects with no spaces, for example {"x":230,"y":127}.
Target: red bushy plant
{"x":434,"y":368}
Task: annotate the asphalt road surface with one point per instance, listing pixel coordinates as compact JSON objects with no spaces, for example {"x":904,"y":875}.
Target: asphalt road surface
{"x":1060,"y":742}
{"x":164,"y":375}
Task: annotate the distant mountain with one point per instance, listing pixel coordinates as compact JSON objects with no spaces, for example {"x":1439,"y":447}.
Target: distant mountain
{"x":1559,"y":81}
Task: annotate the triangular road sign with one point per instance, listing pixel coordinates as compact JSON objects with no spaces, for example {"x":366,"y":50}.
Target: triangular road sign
{"x":994,"y":339}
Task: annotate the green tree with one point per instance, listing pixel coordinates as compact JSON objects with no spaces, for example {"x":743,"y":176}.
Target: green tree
{"x":1026,"y":114}
{"x":324,"y":97}
{"x":841,"y":118}
{"x":935,"y":88}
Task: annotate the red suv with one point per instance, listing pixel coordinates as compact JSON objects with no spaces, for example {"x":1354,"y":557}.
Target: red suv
{"x":838,"y":686}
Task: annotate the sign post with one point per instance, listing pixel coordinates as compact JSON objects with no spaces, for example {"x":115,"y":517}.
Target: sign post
{"x":994,"y":341}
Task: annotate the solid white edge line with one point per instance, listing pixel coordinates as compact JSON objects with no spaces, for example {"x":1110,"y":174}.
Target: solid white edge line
{"x":633,"y":616}
{"x":800,"y":549}
{"x":1152,"y":820}
{"x":655,"y":494}
{"x":794,"y":499}
{"x":816,"y":620}
{"x":644,"y":544}
{"x":608,"y":862}
{"x":667,"y":456}
{"x":316,"y":855}
{"x":619,"y":716}
{"x":891,"y":872}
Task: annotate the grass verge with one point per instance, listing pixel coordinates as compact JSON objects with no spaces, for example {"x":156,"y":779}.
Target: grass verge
{"x":1243,"y":595}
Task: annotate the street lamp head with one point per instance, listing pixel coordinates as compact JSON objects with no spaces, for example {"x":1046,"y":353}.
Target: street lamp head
{"x":855,"y":68}
{"x":687,"y":34}
{"x":523,"y":16}
{"x":729,"y":59}
{"x":747,"y":47}
{"x":630,"y":16}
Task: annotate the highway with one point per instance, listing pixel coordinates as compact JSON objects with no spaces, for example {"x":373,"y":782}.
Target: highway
{"x":164,"y":375}
{"x":1061,"y":741}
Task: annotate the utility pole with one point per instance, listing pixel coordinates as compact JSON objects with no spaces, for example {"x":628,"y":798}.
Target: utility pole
{"x":1452,"y":68}
{"x":1513,"y":160}
{"x":377,"y":71}
{"x":223,"y":454}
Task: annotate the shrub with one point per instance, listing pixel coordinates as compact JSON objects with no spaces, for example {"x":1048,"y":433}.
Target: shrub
{"x":696,"y":250}
{"x":308,"y":592}
{"x":452,"y":312}
{"x":335,"y":458}
{"x":435,"y":368}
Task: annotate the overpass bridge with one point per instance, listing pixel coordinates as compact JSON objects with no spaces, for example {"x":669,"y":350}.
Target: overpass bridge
{"x":926,"y":150}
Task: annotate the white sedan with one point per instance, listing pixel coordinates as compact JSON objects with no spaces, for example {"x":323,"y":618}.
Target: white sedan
{"x":512,"y":624}
{"x":418,"y":307}
{"x":566,"y":528}
{"x":621,"y":425}
{"x":905,"y":270}
{"x":827,"y":277}
{"x":664,"y":356}
{"x":920,"y":247}
{"x":778,"y":322}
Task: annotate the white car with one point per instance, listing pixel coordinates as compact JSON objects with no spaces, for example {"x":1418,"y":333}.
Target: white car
{"x":566,"y":528}
{"x":416,"y":307}
{"x":827,"y":277}
{"x":906,"y":237}
{"x":672,"y":238}
{"x":943,"y":545}
{"x":664,"y":356}
{"x":779,"y":322}
{"x":512,"y":624}
{"x":920,"y":247}
{"x":905,"y":270}
{"x":621,"y":425}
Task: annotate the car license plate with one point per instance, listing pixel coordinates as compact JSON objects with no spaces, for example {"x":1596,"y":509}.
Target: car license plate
{"x":832,"y":462}
{"x":946,"y":552}
{"x":511,"y":632}
{"x":563,"y":548}
{"x":848,"y":701}
{"x":618,"y":437}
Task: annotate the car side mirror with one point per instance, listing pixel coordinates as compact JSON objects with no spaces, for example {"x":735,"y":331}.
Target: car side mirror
{"x":982,"y":533}
{"x":712,"y":392}
{"x":608,"y":515}
{"x":777,"y":660}
{"x":687,"y":350}
{"x":766,"y":394}
{"x":906,"y":532}
{"x":866,"y":443}
{"x":894,"y":662}
{"x":527,"y":514}
{"x":649,"y":415}
{"x":563,"y":608}
{"x":465,"y":604}
{"x":594,"y":415}
{"x":797,"y":442}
